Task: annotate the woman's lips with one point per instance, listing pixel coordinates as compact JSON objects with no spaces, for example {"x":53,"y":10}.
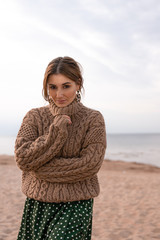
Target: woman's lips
{"x":61,"y":101}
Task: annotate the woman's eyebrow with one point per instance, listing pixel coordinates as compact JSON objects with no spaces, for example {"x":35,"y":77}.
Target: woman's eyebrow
{"x":52,"y":84}
{"x":66,"y":83}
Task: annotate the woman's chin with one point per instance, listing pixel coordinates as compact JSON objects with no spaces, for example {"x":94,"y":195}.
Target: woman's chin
{"x":64,"y":104}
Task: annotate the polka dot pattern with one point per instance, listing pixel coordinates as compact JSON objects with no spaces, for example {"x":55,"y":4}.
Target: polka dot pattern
{"x":56,"y":221}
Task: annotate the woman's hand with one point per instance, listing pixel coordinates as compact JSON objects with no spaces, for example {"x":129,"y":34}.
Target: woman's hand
{"x":61,"y":120}
{"x":68,"y":118}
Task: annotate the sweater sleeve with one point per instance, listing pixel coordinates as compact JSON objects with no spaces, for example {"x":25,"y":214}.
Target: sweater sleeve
{"x":31,"y":150}
{"x":68,"y":170}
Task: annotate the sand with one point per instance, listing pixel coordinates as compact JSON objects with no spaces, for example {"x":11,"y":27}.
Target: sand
{"x":128,"y":207}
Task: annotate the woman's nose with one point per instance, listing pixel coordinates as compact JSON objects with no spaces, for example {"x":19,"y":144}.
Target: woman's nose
{"x":59,"y":93}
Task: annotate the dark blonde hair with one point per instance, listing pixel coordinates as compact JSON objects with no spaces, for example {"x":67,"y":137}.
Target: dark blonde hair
{"x":66,"y":66}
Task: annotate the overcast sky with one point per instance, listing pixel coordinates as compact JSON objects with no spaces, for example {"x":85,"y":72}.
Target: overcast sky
{"x":117,"y":43}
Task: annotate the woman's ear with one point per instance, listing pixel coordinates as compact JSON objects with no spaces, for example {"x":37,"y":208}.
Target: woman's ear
{"x":78,"y":87}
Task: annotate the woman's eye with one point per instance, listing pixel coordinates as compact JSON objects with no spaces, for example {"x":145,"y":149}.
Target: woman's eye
{"x":66,"y":86}
{"x":52,"y":87}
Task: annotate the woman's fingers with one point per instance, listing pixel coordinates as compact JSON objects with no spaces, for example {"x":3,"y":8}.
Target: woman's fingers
{"x":68,"y":118}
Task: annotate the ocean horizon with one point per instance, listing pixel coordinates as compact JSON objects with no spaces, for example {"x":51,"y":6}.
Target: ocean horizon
{"x":134,"y":147}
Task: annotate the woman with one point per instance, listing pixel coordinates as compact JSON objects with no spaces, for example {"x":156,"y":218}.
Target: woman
{"x":60,"y":148}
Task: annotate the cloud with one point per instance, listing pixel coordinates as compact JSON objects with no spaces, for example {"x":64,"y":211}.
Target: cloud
{"x":117,"y":43}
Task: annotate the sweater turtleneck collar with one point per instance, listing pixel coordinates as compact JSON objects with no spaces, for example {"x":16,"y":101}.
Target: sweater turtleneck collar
{"x":69,"y":110}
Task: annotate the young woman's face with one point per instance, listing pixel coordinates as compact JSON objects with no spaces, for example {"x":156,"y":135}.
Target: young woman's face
{"x":62,"y":89}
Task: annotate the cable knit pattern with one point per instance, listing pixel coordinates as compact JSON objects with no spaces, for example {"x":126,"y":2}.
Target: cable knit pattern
{"x":59,"y":162}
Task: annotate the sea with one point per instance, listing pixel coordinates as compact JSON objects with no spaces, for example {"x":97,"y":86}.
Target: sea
{"x":140,"y":148}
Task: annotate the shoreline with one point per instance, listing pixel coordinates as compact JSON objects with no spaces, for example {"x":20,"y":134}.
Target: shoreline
{"x":108,"y":165}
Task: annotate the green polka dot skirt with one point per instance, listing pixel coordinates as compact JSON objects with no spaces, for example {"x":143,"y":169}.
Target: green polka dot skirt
{"x":56,"y":221}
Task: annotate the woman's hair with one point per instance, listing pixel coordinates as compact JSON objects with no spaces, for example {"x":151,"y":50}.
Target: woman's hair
{"x":66,"y":66}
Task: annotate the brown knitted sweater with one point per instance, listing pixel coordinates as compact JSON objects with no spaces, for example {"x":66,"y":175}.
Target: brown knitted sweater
{"x":59,"y":162}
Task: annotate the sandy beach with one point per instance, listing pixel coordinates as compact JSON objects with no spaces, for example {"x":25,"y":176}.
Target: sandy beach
{"x":128,"y":207}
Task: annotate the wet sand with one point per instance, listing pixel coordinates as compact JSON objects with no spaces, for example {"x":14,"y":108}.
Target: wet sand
{"x":128,"y":207}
